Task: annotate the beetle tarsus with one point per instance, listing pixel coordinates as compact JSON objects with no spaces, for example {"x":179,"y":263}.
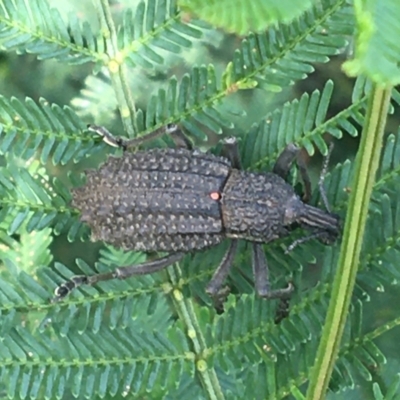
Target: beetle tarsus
{"x":282,"y":310}
{"x":65,"y":288}
{"x":219,"y":299}
{"x":261,"y":277}
{"x":124,"y":143}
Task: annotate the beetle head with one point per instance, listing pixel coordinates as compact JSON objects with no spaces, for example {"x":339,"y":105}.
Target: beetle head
{"x":324,"y":226}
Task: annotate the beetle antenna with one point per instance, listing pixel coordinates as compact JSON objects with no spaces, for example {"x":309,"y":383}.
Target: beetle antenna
{"x":301,"y":240}
{"x":322,"y":178}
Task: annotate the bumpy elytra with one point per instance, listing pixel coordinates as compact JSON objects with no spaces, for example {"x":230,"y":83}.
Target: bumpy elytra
{"x":181,"y":200}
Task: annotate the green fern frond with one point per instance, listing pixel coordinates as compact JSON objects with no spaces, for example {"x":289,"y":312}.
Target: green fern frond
{"x":280,"y":377}
{"x":97,"y":101}
{"x":154,"y":26}
{"x":29,"y":251}
{"x":193,"y":102}
{"x":241,"y":17}
{"x":112,"y":303}
{"x":32,"y":201}
{"x":384,"y":243}
{"x":33,"y":27}
{"x":389,"y":168}
{"x":27,"y":127}
{"x":201,"y":91}
{"x":301,"y":122}
{"x":376,"y":40}
{"x":285,"y":54}
{"x":391,"y":393}
{"x":37,"y":364}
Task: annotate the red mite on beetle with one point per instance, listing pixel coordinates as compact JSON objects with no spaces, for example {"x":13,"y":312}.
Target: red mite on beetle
{"x":181,"y":200}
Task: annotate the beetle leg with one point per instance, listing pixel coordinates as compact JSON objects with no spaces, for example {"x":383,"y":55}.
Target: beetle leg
{"x":124,"y":143}
{"x":285,"y":161}
{"x":230,"y":150}
{"x":215,"y":284}
{"x":321,"y":235}
{"x":282,"y":310}
{"x":180,"y":139}
{"x":147,"y":267}
{"x":322,"y":178}
{"x":261,"y":276}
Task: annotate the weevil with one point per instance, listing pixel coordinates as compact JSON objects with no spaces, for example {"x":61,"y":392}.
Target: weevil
{"x":180,"y":200}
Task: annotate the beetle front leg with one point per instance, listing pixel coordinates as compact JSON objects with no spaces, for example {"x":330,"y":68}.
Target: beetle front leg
{"x":171,"y":129}
{"x":261,"y":276}
{"x":145,"y":268}
{"x":285,"y":161}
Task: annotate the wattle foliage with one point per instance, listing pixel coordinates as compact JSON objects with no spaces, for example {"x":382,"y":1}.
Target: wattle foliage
{"x":158,"y":336}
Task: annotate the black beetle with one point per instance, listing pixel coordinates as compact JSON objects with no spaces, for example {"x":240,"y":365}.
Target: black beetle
{"x":181,"y":200}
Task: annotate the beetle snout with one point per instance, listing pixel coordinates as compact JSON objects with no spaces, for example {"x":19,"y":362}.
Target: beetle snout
{"x":327,"y":224}
{"x":332,"y":230}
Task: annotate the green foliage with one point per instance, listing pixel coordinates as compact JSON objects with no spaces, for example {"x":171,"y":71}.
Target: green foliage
{"x":242,"y":17}
{"x":158,"y":336}
{"x":33,"y":27}
{"x":377,"y":29}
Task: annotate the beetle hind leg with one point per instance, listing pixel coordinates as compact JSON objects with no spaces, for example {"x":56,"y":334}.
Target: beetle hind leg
{"x":145,"y":268}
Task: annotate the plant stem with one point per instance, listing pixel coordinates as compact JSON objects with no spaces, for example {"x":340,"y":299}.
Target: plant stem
{"x":117,"y":68}
{"x":366,"y":167}
{"x":187,"y":313}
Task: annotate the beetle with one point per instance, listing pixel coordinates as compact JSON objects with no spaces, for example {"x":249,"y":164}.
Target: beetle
{"x":180,"y":200}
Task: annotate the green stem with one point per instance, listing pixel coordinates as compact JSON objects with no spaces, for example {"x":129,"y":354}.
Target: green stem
{"x":117,"y":68}
{"x":366,"y":167}
{"x":185,"y":308}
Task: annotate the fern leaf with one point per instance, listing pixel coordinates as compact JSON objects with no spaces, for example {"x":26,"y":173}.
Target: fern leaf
{"x":28,"y":127}
{"x":241,"y":17}
{"x":30,"y":200}
{"x":300,"y":122}
{"x":97,"y":100}
{"x":377,"y":30}
{"x":33,"y":27}
{"x":78,"y":361}
{"x":155,"y":28}
{"x":283,"y":55}
{"x":118,"y":297}
{"x":196,"y":96}
{"x":201,"y":91}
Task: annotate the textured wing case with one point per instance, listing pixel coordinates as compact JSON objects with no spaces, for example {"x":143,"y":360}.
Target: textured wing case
{"x":157,"y":200}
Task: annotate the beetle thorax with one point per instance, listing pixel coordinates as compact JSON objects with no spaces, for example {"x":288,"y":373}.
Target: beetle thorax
{"x":254,"y":206}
